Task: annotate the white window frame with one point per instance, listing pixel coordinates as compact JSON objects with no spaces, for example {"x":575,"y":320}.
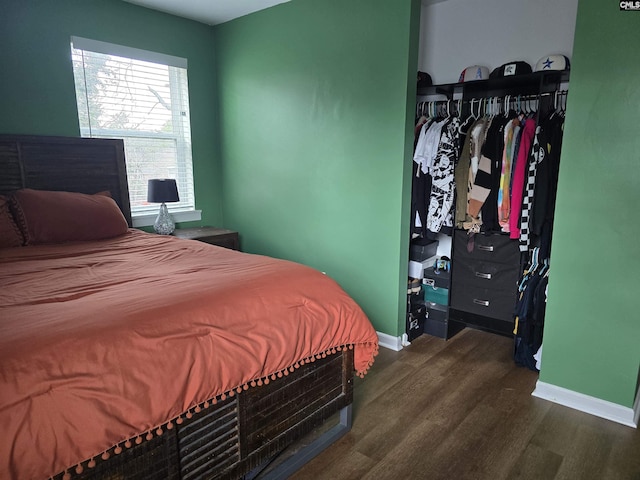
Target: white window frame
{"x":145,"y":215}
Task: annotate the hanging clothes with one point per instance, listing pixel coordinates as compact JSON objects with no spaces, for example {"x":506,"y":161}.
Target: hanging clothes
{"x":467,"y":167}
{"x":536,"y":226}
{"x":479,"y":185}
{"x":530,"y":311}
{"x":480,"y":178}
{"x":546,"y":182}
{"x":420,"y":185}
{"x":493,"y":150}
{"x":536,"y":156}
{"x":433,"y":188}
{"x":504,"y":192}
{"x":428,"y":143}
{"x":519,"y":177}
{"x":443,"y":183}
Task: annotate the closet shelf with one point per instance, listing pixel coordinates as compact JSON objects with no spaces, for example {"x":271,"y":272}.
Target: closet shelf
{"x":532,"y":83}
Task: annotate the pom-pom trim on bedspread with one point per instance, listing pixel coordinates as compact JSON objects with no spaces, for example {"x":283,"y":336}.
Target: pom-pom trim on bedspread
{"x":159,"y":430}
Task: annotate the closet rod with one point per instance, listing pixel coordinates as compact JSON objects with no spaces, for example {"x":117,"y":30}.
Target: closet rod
{"x":496,"y":103}
{"x":499,"y":98}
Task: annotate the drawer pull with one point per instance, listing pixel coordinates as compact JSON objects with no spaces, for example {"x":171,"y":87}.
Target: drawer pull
{"x":484,"y":303}
{"x":486,"y":276}
{"x":485,"y":248}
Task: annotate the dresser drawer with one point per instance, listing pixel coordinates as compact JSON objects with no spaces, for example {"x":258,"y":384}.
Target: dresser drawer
{"x":490,"y":248}
{"x":493,"y":275}
{"x":487,"y":302}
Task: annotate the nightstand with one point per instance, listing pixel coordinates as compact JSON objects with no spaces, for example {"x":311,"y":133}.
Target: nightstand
{"x":212,"y":235}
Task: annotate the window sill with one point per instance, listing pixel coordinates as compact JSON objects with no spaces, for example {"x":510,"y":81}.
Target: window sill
{"x":147,"y":219}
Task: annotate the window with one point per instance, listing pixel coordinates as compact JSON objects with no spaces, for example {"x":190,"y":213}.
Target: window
{"x":143,"y":98}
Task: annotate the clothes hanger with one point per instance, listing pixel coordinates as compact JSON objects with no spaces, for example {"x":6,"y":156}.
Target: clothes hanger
{"x":471,"y":115}
{"x":544,"y":271}
{"x":531,"y":271}
{"x":530,"y":107}
{"x":554,"y":108}
{"x":525,"y":107}
{"x":463,"y":124}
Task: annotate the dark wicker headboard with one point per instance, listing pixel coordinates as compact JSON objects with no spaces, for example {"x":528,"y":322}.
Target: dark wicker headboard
{"x":72,"y":164}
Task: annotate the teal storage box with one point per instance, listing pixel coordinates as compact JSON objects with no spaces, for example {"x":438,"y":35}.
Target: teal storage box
{"x":435,"y":294}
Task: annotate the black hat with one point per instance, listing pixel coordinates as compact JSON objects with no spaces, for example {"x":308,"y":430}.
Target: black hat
{"x":424,"y":80}
{"x":511,"y":69}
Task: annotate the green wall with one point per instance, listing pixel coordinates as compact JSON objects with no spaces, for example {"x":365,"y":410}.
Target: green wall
{"x":592,"y":331}
{"x":37,"y":93}
{"x":314,"y":123}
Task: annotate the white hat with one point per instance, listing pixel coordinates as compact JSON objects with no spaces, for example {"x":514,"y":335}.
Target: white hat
{"x":474,"y":72}
{"x":552,"y":62}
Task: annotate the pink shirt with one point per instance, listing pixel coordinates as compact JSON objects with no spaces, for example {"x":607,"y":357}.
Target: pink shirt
{"x":519,"y":177}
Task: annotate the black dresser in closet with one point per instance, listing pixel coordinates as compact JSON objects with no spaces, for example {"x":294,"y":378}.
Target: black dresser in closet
{"x":484,"y":273}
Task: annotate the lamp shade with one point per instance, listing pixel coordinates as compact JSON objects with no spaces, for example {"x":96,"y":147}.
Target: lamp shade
{"x":162,"y":190}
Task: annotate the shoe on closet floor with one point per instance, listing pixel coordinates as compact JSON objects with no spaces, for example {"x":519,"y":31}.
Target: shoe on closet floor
{"x":413,"y":285}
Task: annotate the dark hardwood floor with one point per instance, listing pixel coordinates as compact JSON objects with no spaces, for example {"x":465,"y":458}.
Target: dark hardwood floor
{"x":461,"y":409}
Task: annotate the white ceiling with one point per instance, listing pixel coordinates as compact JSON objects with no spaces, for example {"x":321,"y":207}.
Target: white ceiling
{"x":210,"y":12}
{"x":213,"y":12}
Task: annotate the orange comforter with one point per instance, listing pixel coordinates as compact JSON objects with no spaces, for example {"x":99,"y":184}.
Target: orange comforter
{"x":100,"y":341}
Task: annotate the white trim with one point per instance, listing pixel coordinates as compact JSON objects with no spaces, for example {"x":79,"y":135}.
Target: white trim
{"x":585,"y":403}
{"x":107,"y":48}
{"x":636,"y":408}
{"x":147,"y":219}
{"x":389,"y":341}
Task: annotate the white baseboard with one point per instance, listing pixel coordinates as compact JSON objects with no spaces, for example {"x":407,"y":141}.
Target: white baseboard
{"x":585,"y":403}
{"x":636,"y":408}
{"x":389,"y":341}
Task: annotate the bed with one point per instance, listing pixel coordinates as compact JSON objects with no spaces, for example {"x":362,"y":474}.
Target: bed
{"x":138,"y":356}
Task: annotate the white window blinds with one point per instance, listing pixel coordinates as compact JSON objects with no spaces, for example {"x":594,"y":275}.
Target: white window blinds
{"x":143,"y":98}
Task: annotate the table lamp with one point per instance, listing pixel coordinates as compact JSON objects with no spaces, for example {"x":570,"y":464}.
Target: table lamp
{"x":162,"y":190}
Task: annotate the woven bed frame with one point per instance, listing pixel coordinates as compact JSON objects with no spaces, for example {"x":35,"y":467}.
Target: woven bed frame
{"x":236,"y":437}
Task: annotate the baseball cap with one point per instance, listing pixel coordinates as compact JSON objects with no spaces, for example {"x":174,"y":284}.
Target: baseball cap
{"x":474,"y":72}
{"x":424,"y":80}
{"x":510,"y":69}
{"x":553,"y":62}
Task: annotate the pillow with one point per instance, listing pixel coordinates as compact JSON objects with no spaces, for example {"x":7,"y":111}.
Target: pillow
{"x":55,"y":217}
{"x":10,"y":234}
